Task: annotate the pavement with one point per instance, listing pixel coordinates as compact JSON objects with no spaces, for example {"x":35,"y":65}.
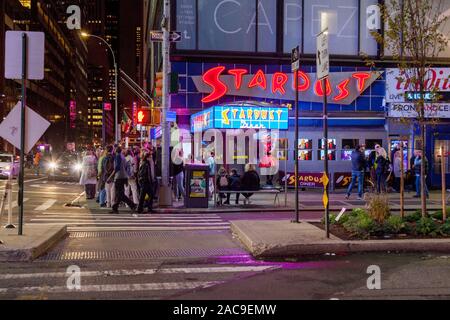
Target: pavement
{"x":268,"y":239}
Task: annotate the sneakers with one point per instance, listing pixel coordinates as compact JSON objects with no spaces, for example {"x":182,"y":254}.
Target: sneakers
{"x":347,"y":196}
{"x":359,"y":198}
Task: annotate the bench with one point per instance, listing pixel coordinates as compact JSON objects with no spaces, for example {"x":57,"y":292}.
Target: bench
{"x":275,"y":191}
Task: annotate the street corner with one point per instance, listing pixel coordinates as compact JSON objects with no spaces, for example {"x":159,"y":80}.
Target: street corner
{"x":35,"y":241}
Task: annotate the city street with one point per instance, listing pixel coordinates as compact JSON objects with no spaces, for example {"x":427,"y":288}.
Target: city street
{"x":193,"y":256}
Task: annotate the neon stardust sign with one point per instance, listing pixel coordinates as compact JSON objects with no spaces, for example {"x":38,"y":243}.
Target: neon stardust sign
{"x":342,"y":87}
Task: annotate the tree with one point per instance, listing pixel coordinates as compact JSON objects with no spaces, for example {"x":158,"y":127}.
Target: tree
{"x":412,"y":36}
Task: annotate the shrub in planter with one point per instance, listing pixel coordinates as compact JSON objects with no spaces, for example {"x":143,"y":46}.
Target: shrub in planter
{"x":438,"y":214}
{"x":395,"y":224}
{"x":426,"y":226}
{"x":332,"y":219}
{"x":378,"y":207}
{"x":444,"y":229}
{"x":360,"y":225}
{"x":355,"y":212}
{"x":414,"y":217}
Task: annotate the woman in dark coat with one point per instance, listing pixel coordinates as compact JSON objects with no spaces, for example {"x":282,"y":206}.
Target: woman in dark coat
{"x":250,"y":181}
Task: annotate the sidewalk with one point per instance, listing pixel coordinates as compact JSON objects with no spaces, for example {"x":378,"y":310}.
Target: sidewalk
{"x":36,"y":240}
{"x":310,"y":200}
{"x":271,"y":239}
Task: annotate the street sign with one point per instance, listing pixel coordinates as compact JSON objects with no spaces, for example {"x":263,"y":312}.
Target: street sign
{"x":158,"y":36}
{"x":10,"y":127}
{"x":325,"y":180}
{"x":34,"y":54}
{"x":322,"y":56}
{"x":325,"y":199}
{"x":295,"y":59}
{"x":171,"y":116}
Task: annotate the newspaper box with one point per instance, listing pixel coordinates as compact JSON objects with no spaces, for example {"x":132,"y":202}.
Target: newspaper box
{"x":197,"y":186}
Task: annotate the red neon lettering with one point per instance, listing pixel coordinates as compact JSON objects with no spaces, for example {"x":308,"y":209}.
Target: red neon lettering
{"x":302,"y":77}
{"x":361,"y":77}
{"x":343,"y":91}
{"x":318,"y":88}
{"x":238,"y":73}
{"x":258,"y":80}
{"x":279,"y":79}
{"x":212,"y":78}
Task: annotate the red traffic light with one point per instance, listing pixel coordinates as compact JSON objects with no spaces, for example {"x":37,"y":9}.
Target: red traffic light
{"x":144,"y":117}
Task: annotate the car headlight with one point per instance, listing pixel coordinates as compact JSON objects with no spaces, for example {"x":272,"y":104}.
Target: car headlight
{"x":78,"y":167}
{"x":52,"y":165}
{"x":7,"y":167}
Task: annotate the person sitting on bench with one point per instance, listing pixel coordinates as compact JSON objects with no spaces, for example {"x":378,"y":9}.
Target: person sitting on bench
{"x":235,"y":183}
{"x":250,"y":182}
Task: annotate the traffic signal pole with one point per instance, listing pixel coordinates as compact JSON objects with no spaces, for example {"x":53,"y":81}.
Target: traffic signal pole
{"x":165,"y":193}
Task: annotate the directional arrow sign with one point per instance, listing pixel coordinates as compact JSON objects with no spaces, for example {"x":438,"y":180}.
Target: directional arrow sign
{"x":158,"y":36}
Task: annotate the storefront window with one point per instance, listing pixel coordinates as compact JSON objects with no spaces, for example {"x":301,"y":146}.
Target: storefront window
{"x":348,"y":145}
{"x":305,"y":149}
{"x":331,"y":149}
{"x":445,"y":144}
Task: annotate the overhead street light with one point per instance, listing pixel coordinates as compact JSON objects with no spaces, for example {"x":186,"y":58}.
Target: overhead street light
{"x":116,"y":111}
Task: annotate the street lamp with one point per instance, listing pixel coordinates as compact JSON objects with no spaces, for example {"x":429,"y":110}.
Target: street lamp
{"x":116,"y":111}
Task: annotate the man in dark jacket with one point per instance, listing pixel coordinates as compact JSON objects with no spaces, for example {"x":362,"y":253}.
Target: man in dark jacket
{"x":146,"y":179}
{"x":120,"y":180}
{"x":358,"y":166}
{"x":235,"y":183}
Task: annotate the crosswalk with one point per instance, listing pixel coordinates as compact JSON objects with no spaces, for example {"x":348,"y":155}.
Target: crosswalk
{"x":81,"y":280}
{"x":84,"y":221}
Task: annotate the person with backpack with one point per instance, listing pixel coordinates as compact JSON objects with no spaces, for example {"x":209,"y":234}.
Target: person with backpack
{"x":120,"y":177}
{"x":146,"y":178}
{"x":223,"y":184}
{"x":131,"y":168}
{"x":89,"y":174}
{"x":108,"y":169}
{"x":382,"y":169}
{"x":235,"y":183}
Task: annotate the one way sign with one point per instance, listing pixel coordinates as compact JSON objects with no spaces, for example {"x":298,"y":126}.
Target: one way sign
{"x":157,"y":36}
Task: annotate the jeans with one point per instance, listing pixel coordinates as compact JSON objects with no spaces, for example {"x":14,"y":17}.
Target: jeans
{"x":119,"y":186}
{"x":179,"y":178}
{"x":360,"y":176}
{"x":381,"y":182}
{"x":102,"y":197}
{"x":418,"y":186}
{"x":110,"y":194}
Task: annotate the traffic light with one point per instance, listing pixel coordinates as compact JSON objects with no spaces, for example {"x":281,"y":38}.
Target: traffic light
{"x":149,"y":117}
{"x":159,"y":84}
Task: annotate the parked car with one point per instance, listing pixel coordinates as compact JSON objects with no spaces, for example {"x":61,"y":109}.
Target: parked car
{"x":9,"y":165}
{"x":66,"y":166}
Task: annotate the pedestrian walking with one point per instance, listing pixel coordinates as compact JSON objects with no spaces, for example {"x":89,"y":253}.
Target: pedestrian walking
{"x":223,"y":184}
{"x":211,"y":162}
{"x":382,"y":166}
{"x":250,"y":182}
{"x":108,"y":177}
{"x":89,"y":174}
{"x":358,"y":170}
{"x":235,"y":183}
{"x":120,"y":181}
{"x":37,"y":162}
{"x":147,"y":181}
{"x":397,"y":170}
{"x":178,"y":172}
{"x":100,"y":181}
{"x":131,"y":190}
{"x":418,"y":158}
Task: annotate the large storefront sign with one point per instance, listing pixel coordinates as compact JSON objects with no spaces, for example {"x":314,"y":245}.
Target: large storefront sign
{"x":305,"y":179}
{"x":342,"y":87}
{"x":241,"y":117}
{"x":408,"y":110}
{"x":399,"y":87}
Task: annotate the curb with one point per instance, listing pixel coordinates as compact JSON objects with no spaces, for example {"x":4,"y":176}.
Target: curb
{"x":268,"y":250}
{"x":41,"y":246}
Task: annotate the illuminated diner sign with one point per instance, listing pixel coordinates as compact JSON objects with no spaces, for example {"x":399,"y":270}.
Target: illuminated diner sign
{"x":241,"y":117}
{"x":341,"y":87}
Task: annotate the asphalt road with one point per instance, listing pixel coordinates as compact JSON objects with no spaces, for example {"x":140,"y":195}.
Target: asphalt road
{"x":180,"y":256}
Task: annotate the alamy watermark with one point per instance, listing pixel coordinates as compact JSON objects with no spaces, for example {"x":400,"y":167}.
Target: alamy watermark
{"x":374,"y":280}
{"x":74,"y":278}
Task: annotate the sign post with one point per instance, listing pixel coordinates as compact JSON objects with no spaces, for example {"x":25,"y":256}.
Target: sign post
{"x":28,"y":65}
{"x":323,"y":66}
{"x":444,"y":204}
{"x":295,"y":59}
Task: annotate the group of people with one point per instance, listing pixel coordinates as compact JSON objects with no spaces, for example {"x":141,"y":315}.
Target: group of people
{"x":249,"y":181}
{"x":381,"y":169}
{"x":115,"y":175}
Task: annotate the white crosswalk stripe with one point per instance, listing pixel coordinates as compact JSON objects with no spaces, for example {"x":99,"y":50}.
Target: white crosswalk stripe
{"x":46,"y":205}
{"x":78,"y":221}
{"x":15,"y":204}
{"x":154,"y":279}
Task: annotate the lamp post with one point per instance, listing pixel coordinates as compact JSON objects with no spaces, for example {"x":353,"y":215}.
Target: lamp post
{"x":116,"y":108}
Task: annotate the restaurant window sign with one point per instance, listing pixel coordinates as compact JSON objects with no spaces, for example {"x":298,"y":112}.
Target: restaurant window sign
{"x":341,"y":87}
{"x":241,"y":117}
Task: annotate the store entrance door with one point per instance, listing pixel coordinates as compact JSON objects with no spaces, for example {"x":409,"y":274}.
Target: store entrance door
{"x":435,"y":167}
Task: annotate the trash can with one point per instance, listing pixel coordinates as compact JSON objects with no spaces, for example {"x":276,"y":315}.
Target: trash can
{"x":197,"y":186}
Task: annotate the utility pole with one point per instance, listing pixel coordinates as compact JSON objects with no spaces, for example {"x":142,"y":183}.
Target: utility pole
{"x":165,"y":194}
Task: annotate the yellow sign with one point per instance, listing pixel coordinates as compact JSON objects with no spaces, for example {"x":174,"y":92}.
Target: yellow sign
{"x":325,"y":180}
{"x":325,"y":199}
